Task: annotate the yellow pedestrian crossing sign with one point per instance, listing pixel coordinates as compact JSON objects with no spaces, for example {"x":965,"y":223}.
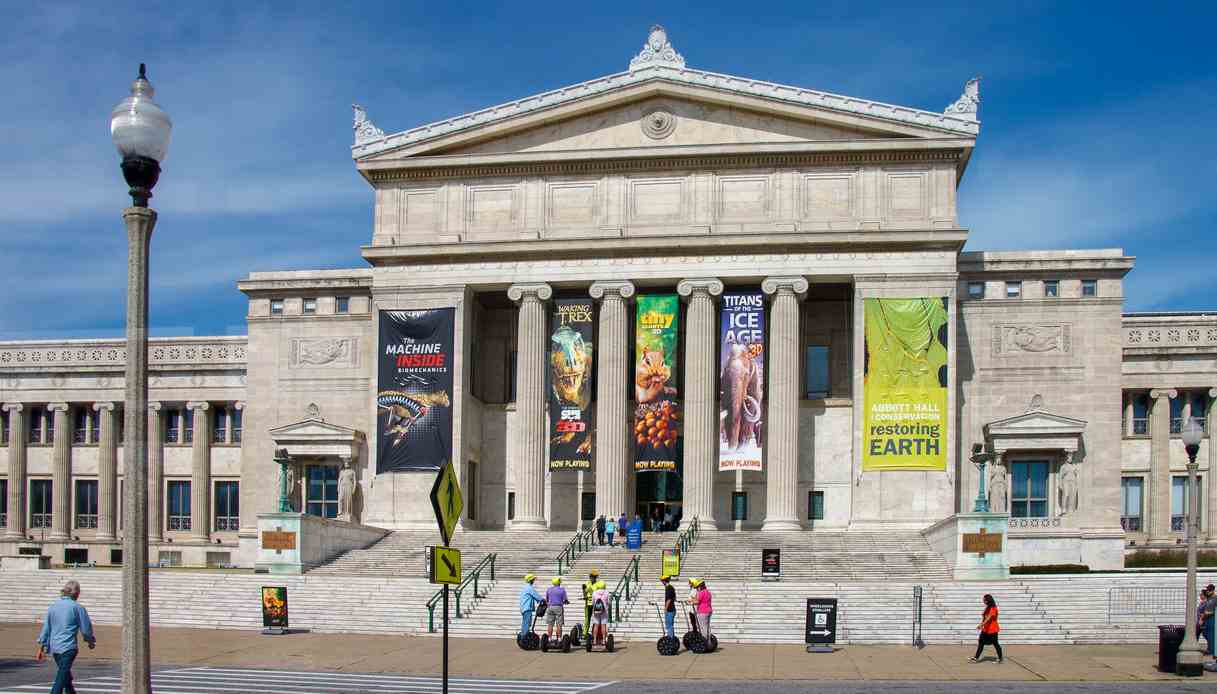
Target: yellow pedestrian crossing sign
{"x":446,"y":500}
{"x":446,"y":565}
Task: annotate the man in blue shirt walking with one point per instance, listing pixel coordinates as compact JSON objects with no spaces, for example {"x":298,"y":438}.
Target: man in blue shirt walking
{"x":64,"y":619}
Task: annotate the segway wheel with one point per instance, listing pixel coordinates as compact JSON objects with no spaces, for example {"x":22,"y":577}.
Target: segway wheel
{"x":668,"y":645}
{"x":575,"y":631}
{"x":712,"y":644}
{"x":531,"y":641}
{"x":685,"y":639}
{"x":588,"y":643}
{"x":566,"y":644}
{"x":545,"y":643}
{"x":697,"y":643}
{"x":608,"y":644}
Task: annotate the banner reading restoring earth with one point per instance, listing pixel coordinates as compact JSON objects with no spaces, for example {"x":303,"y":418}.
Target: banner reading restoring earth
{"x":657,"y":444}
{"x":414,"y":389}
{"x":742,"y":381}
{"x":570,"y":385}
{"x":905,"y":385}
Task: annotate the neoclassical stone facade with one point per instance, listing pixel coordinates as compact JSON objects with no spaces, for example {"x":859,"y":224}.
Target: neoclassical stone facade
{"x":662,"y":179}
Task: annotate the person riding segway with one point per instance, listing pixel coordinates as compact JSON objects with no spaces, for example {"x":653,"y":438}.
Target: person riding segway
{"x":532,"y":605}
{"x":666,"y":645}
{"x":590,"y":586}
{"x":700,"y":606}
{"x":555,"y":610}
{"x":599,"y":634}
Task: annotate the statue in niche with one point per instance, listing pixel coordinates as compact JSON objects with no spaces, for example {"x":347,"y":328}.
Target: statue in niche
{"x":997,"y":489}
{"x":1067,"y":487}
{"x":346,"y":492}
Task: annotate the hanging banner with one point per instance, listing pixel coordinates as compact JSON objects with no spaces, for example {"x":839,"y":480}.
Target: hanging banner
{"x":905,"y":385}
{"x":414,"y":389}
{"x":570,"y":385}
{"x":657,"y":418}
{"x":742,"y":381}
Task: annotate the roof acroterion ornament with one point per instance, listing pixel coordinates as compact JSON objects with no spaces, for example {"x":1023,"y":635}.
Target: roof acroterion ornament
{"x":657,"y":51}
{"x":968,"y":103}
{"x":365,"y":130}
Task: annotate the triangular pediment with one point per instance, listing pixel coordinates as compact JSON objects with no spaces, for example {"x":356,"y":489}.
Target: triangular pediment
{"x":314,"y":430}
{"x":1036,"y":423}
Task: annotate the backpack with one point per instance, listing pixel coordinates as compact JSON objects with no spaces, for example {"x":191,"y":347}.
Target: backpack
{"x":598,"y":606}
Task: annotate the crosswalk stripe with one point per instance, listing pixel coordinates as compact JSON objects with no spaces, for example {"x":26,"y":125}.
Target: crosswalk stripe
{"x":306,"y":673}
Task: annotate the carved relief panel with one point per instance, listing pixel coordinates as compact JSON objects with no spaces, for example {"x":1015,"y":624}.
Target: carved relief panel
{"x":1032,"y":338}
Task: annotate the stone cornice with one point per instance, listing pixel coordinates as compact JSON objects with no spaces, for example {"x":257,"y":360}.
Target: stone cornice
{"x":1174,"y":335}
{"x":357,"y":281}
{"x":1108,"y":261}
{"x":177,"y":353}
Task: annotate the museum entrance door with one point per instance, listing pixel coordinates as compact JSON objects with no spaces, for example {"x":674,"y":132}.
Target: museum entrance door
{"x":658,"y":492}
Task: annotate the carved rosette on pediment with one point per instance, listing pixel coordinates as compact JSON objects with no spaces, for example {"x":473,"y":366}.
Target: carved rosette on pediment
{"x":658,"y":122}
{"x":1032,"y":338}
{"x":657,"y":51}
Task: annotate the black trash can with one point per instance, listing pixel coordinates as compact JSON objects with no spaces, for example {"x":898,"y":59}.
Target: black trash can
{"x":1170,"y":638}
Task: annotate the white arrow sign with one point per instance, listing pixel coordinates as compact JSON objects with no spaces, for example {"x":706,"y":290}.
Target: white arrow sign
{"x":824,"y":632}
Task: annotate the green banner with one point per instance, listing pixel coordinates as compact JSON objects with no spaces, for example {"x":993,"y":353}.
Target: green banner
{"x":905,"y":385}
{"x":657,"y":416}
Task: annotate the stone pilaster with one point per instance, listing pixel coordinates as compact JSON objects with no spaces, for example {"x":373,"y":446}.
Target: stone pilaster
{"x":1128,"y":414}
{"x":61,"y":473}
{"x":1160,"y":463}
{"x":530,"y":405}
{"x":612,"y":416}
{"x":701,"y":400}
{"x":156,"y":473}
{"x":16,"y":471}
{"x":107,"y":474}
{"x":200,"y":473}
{"x":1211,"y":424}
{"x":782,"y":425}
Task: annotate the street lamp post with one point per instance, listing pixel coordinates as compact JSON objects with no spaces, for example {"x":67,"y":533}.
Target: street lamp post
{"x":140,"y":130}
{"x":980,"y":458}
{"x":1191,"y":657}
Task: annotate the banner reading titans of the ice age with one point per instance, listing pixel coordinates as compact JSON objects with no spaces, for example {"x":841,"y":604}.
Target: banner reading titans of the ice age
{"x":414,"y":389}
{"x":905,"y":391}
{"x":657,"y":417}
{"x":570,"y":385}
{"x":742,"y":381}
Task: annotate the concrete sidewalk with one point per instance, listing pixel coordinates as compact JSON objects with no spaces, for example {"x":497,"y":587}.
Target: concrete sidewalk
{"x":633,"y":661}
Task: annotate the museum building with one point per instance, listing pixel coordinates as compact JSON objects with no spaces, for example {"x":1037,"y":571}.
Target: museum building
{"x":667,"y":292}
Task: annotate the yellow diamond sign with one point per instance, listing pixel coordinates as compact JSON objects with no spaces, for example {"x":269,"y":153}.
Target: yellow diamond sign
{"x":446,"y":500}
{"x":446,"y":565}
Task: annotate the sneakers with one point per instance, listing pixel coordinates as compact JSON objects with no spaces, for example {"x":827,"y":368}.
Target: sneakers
{"x":1000,"y":661}
{"x":973,"y":660}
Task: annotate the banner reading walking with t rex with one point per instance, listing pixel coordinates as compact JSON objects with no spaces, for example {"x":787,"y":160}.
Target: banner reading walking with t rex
{"x":414,"y":389}
{"x":657,"y":444}
{"x":570,"y":389}
{"x":742,"y":381}
{"x":905,"y":385}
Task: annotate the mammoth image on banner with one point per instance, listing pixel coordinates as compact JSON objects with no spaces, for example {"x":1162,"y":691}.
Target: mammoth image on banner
{"x":414,"y":389}
{"x":657,"y":416}
{"x":905,"y":385}
{"x":741,"y":381}
{"x":570,"y":385}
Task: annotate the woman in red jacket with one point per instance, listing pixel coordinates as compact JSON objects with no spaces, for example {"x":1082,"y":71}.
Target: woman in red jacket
{"x":988,"y":630}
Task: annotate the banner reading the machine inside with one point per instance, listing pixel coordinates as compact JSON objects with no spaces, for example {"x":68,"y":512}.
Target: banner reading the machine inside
{"x":742,"y":381}
{"x":570,"y":385}
{"x":414,"y":389}
{"x":905,"y":385}
{"x":657,"y":416}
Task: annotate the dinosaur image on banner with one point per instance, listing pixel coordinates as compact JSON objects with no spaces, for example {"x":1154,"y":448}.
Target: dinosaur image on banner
{"x":414,"y":389}
{"x":570,"y":385}
{"x":742,"y":381}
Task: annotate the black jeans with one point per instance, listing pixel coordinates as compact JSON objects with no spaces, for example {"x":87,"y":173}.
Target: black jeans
{"x":987,"y":639}
{"x":63,"y":678}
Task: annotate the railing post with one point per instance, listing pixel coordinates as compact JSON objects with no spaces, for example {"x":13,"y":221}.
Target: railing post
{"x":458,"y":603}
{"x":477,"y":575}
{"x":431,"y":617}
{"x":492,"y":558}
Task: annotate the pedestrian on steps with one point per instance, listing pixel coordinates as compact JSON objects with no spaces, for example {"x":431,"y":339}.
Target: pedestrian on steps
{"x":988,"y":630}
{"x":64,"y":620}
{"x":529,"y":597}
{"x":610,"y":529}
{"x":622,"y":526}
{"x":600,"y":530}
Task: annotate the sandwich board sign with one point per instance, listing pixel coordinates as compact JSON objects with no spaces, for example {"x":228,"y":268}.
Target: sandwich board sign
{"x":821,"y":626}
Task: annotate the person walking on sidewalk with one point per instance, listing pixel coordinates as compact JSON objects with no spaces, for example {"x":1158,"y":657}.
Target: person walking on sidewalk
{"x":600,"y":530}
{"x":610,"y":529}
{"x":65,"y":618}
{"x":988,"y":630}
{"x":705,"y":608}
{"x":669,"y":606}
{"x":555,"y":612}
{"x":1208,"y":619}
{"x":529,"y":597}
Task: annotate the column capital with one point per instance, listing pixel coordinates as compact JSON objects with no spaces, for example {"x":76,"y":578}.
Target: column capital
{"x":154,"y":405}
{"x":238,"y":405}
{"x":1158,"y":393}
{"x":204,"y":406}
{"x":521,"y":292}
{"x":103,"y":407}
{"x":57,"y":406}
{"x":1212,"y":393}
{"x":13,"y":407}
{"x":777,"y":285}
{"x":611,"y":288}
{"x":699,"y":285}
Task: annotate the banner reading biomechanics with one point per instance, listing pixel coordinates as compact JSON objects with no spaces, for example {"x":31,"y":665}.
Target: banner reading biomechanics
{"x":905,"y":384}
{"x":570,"y":385}
{"x":742,"y":381}
{"x":414,"y":389}
{"x":657,"y":417}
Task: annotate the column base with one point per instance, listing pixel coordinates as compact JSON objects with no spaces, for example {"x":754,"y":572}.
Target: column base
{"x":524,"y":524}
{"x":58,"y":537}
{"x":205,"y":539}
{"x":106,"y":538}
{"x":781,"y":524}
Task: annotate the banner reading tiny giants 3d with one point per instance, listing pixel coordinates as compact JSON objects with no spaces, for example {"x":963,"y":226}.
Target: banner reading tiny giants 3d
{"x":657,"y":417}
{"x":414,"y":389}
{"x":742,"y":381}
{"x":905,"y":385}
{"x":570,"y":385}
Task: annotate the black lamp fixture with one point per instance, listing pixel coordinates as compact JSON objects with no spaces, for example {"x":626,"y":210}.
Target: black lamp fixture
{"x":140,"y":130}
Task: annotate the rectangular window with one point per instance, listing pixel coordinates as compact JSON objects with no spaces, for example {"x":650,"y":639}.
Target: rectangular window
{"x":80,"y":421}
{"x":739,"y":506}
{"x":310,"y":305}
{"x":976,"y":290}
{"x":1130,"y":515}
{"x":815,"y":384}
{"x":236,"y":425}
{"x":1052,"y":288}
{"x":342,"y":304}
{"x":35,"y":425}
{"x":49,"y":425}
{"x":1140,"y":414}
{"x":219,"y":425}
{"x":322,"y":491}
{"x":173,"y":420}
{"x":1014,"y":290}
{"x":1029,"y":489}
{"x":587,"y":508}
{"x":120,"y":425}
{"x":86,"y":504}
{"x":815,"y":505}
{"x":1090,"y":287}
{"x":276,"y":307}
{"x":179,"y":505}
{"x":1177,"y":414}
{"x":3,"y":427}
{"x":511,"y":505}
{"x":40,"y":503}
{"x":94,"y":425}
{"x":187,"y":425}
{"x":1180,"y":501}
{"x":1200,"y":409}
{"x":227,"y":507}
{"x":4,"y":502}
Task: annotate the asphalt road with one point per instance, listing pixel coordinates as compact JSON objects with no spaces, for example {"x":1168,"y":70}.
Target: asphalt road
{"x":918,"y":687}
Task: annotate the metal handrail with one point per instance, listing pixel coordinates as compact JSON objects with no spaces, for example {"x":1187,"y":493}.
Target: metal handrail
{"x":687,"y":537}
{"x":580,"y":543}
{"x":623,"y":587}
{"x":473,"y":577}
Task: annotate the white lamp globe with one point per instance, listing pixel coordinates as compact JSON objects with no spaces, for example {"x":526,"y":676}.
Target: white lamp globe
{"x":1192,"y":433}
{"x":138,"y":126}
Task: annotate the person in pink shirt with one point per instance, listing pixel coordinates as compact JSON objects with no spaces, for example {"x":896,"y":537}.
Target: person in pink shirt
{"x":705,"y":608}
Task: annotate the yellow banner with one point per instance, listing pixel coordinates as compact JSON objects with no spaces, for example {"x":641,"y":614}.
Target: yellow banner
{"x":905,"y":385}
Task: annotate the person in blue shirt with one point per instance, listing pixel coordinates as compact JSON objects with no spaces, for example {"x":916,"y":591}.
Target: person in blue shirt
{"x":529,"y":597}
{"x":65,"y":618}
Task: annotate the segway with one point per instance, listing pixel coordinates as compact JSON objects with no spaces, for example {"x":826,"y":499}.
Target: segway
{"x":563,"y":644}
{"x":694,"y":641}
{"x":590,"y":641}
{"x":666,"y":645}
{"x":530,"y":641}
{"x":576,"y":634}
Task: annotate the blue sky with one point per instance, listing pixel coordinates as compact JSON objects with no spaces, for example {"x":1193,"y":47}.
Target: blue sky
{"x":1097,"y":126}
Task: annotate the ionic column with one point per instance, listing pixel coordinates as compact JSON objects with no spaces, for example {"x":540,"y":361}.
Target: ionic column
{"x":612,"y":377}
{"x":61,"y":474}
{"x":107,"y":473}
{"x":16,"y":471}
{"x":156,"y":473}
{"x":782,"y":427}
{"x":701,"y":400}
{"x":530,"y":405}
{"x":1160,"y":463}
{"x":1210,"y":422}
{"x":200,"y":473}
{"x":1128,"y":413}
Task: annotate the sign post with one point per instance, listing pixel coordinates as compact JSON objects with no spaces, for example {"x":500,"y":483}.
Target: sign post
{"x":821,"y":626}
{"x":447,"y":502}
